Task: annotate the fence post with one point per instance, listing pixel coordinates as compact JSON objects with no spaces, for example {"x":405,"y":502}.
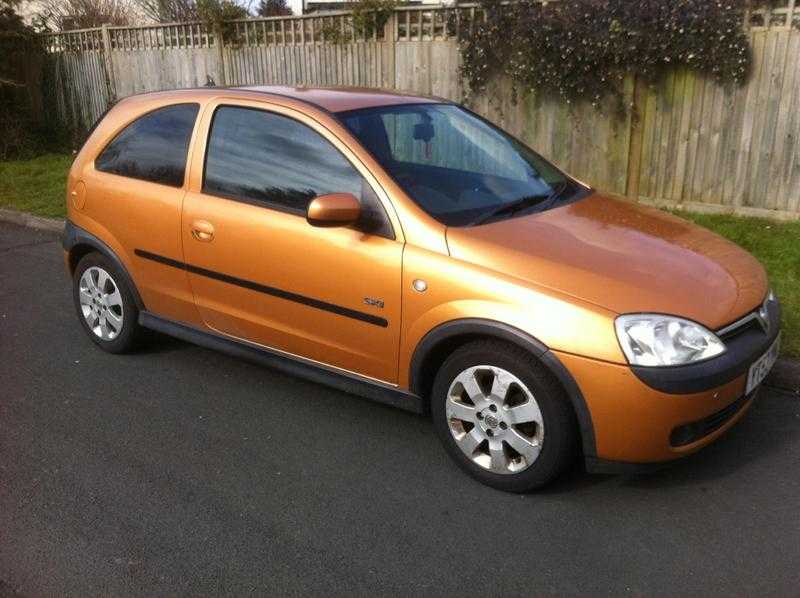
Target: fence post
{"x":109,"y":65}
{"x":636,"y":138}
{"x":390,"y":47}
{"x":219,"y":42}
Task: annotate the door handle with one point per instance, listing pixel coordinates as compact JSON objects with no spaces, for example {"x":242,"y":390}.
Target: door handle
{"x":202,"y":230}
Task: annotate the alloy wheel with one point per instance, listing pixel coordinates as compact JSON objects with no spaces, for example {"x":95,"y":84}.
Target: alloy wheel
{"x":495,"y":419}
{"x":101,"y":303}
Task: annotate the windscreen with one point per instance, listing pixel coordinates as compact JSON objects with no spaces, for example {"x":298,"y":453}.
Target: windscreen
{"x":458,"y":167}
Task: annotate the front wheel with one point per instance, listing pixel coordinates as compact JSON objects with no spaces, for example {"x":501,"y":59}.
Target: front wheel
{"x":502,"y":416}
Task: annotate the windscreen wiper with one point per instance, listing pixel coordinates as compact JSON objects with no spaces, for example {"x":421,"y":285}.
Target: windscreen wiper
{"x":522,"y":204}
{"x":555,"y":195}
{"x":510,"y":208}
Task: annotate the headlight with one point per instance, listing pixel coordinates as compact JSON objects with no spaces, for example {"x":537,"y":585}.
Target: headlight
{"x":656,"y":340}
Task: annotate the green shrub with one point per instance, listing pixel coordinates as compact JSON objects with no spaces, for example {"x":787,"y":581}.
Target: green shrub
{"x":368,"y":18}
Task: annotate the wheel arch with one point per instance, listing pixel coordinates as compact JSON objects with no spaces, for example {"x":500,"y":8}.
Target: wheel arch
{"x":79,"y":243}
{"x":445,"y":338}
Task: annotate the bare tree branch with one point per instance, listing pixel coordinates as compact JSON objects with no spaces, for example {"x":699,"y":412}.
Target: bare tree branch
{"x":10,"y":83}
{"x":80,"y":14}
{"x":172,"y":11}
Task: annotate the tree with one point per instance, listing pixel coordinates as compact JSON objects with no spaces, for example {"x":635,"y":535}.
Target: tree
{"x":62,"y":15}
{"x":18,"y":89}
{"x":219,"y":11}
{"x":14,"y":39}
{"x":273,"y":8}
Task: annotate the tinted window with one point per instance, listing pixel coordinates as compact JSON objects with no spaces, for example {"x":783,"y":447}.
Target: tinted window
{"x":153,"y":147}
{"x":259,"y":156}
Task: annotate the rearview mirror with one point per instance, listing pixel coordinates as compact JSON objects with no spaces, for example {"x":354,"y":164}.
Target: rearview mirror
{"x":334,"y":209}
{"x":424,"y":132}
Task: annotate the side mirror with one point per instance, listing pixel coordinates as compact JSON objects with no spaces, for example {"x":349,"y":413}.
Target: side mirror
{"x":334,"y":209}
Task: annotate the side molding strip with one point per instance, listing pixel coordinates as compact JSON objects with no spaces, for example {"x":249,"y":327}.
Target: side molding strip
{"x":376,"y":391}
{"x":260,"y":288}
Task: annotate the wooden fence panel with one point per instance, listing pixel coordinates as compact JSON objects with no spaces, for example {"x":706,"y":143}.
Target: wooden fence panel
{"x":736,"y":148}
{"x":138,"y":71}
{"x":75,"y":89}
{"x":358,"y":63}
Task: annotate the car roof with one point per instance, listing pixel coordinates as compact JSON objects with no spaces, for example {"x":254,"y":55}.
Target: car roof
{"x":342,"y":99}
{"x":328,"y":99}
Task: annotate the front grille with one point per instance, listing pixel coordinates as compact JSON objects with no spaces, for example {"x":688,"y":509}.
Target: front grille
{"x":689,"y":433}
{"x":737,"y":328}
{"x":748,"y":322}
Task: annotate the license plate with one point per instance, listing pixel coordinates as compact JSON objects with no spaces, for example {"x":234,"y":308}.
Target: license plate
{"x":760,"y":369}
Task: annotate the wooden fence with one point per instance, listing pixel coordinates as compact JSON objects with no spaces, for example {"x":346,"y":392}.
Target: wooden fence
{"x":693,"y":143}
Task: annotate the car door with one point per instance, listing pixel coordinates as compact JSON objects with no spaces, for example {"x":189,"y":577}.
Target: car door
{"x":260,"y":272}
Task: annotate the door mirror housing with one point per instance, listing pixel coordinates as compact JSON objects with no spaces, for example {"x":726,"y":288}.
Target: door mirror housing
{"x":334,"y":209}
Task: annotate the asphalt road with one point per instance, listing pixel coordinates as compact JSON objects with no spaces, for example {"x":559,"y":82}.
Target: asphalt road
{"x":178,"y":470}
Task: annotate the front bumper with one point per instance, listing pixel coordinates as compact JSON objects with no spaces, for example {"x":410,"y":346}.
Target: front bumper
{"x":644,"y":420}
{"x":702,"y":432}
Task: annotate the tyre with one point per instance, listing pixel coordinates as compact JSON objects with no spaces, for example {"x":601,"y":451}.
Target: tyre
{"x":503,"y":417}
{"x":105,"y":304}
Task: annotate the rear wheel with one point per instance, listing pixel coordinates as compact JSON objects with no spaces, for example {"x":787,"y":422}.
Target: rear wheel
{"x":105,"y":304}
{"x":502,"y":417}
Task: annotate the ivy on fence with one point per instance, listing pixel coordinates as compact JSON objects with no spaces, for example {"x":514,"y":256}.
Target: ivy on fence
{"x":582,"y":50}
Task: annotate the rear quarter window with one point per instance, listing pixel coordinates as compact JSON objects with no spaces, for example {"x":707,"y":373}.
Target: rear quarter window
{"x":153,"y":147}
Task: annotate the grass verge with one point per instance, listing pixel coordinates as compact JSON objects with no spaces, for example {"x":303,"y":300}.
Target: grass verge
{"x":37,"y":186}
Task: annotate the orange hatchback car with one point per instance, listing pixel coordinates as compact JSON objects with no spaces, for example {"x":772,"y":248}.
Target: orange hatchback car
{"x":404,"y":249}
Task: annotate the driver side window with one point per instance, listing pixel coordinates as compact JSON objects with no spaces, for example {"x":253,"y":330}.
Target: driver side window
{"x":265,"y":158}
